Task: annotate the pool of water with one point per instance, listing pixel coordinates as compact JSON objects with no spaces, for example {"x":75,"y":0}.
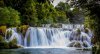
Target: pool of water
{"x":43,"y":51}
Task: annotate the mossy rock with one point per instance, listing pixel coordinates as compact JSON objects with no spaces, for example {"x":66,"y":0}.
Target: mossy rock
{"x":71,"y":44}
{"x":94,"y":48}
{"x":22,"y":29}
{"x":84,"y":38}
{"x":3,"y":30}
{"x":85,"y":44}
{"x":13,"y":44}
{"x":9,"y":33}
{"x":4,"y":45}
{"x":86,"y":30}
{"x":9,"y":45}
{"x":14,"y":41}
{"x":1,"y":38}
{"x":78,"y":32}
{"x":77,"y":45}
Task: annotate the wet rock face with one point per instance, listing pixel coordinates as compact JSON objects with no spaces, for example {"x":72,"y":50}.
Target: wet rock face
{"x":76,"y":34}
{"x":76,"y":44}
{"x":85,"y":44}
{"x":8,"y":34}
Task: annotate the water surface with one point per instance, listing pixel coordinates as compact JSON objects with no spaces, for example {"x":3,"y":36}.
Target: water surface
{"x":43,"y":51}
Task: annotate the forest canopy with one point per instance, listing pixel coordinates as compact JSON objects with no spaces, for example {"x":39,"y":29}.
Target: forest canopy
{"x":37,"y":12}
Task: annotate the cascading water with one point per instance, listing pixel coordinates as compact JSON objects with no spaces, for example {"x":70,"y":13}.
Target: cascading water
{"x":67,"y":36}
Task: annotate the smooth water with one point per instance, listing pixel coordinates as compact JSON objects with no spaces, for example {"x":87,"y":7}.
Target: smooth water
{"x":43,"y":51}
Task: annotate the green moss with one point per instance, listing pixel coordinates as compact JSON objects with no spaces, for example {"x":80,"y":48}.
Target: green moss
{"x":1,"y":38}
{"x":22,"y":29}
{"x":4,"y":45}
{"x":2,"y":30}
{"x":8,"y":45}
{"x":78,"y":32}
{"x":13,"y":44}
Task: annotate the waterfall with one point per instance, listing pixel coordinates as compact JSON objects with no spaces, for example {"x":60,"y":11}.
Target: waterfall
{"x":67,"y":36}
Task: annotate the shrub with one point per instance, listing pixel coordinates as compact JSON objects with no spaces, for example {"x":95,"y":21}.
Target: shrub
{"x":9,"y":16}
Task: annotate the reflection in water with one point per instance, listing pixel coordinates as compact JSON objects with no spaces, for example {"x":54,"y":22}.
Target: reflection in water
{"x":43,"y":51}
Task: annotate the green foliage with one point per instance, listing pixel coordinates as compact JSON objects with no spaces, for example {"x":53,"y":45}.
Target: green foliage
{"x":22,"y":29}
{"x":43,"y":1}
{"x":92,"y":9}
{"x":73,"y":14}
{"x":62,"y":9}
{"x":29,"y":16}
{"x":9,"y":16}
{"x":44,"y":12}
{"x":1,"y":3}
{"x":8,"y":45}
{"x":37,"y":12}
{"x":13,"y":42}
{"x":92,"y":20}
{"x":4,"y":45}
{"x":15,"y":4}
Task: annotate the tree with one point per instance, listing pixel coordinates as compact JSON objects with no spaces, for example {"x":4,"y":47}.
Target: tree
{"x":1,"y":3}
{"x":45,"y":12}
{"x":92,"y":20}
{"x":62,"y":9}
{"x":9,"y":16}
{"x":92,"y":9}
{"x":16,"y":4}
{"x":29,"y":15}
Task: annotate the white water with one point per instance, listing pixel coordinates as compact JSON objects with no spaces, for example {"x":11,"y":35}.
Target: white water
{"x":67,"y":36}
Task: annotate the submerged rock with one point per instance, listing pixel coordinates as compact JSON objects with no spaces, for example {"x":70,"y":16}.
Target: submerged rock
{"x":76,"y":44}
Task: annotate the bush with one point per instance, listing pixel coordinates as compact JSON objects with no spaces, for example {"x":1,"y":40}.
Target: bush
{"x":9,"y":16}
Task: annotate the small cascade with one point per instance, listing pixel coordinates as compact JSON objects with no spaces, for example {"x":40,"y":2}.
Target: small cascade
{"x":67,"y":36}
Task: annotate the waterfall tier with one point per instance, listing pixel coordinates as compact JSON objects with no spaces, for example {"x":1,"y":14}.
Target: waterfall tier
{"x":67,"y":36}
